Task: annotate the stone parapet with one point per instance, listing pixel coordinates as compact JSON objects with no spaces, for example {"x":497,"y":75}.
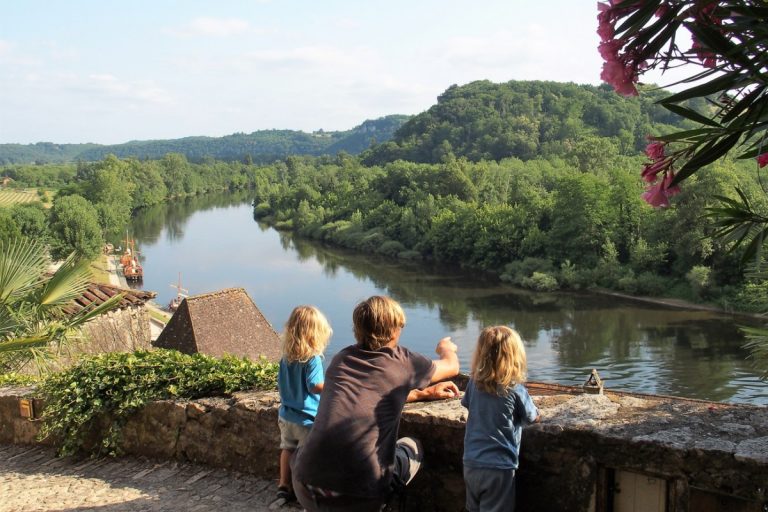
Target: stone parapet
{"x":587,"y":451}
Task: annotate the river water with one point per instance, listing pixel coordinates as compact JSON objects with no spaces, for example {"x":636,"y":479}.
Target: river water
{"x":214,"y":243}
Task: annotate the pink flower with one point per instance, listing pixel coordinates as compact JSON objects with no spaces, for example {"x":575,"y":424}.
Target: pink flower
{"x":651,"y":170}
{"x":622,"y":77}
{"x":609,"y":50}
{"x":762,"y":160}
{"x":655,"y":195}
{"x":655,"y":150}
{"x":668,"y":188}
{"x":605,"y":27}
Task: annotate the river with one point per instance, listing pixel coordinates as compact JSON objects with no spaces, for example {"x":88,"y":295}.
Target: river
{"x":214,"y":243}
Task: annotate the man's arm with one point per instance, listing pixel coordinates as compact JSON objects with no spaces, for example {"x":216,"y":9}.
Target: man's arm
{"x":448,"y":364}
{"x":445,"y":368}
{"x":438,"y":391}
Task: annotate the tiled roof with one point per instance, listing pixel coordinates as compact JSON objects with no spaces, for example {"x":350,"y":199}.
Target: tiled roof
{"x":219,"y":323}
{"x":98,"y":293}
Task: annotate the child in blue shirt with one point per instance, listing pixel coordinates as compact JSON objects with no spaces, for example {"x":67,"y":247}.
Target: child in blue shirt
{"x":300,"y":381}
{"x":498,"y":406}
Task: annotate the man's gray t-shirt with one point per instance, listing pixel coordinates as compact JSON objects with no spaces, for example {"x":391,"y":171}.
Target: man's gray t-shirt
{"x":351,"y":447}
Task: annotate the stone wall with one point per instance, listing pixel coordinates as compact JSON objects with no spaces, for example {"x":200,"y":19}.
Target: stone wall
{"x":122,"y":330}
{"x":701,"y":452}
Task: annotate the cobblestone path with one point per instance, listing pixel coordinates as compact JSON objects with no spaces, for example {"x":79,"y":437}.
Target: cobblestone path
{"x":33,"y":479}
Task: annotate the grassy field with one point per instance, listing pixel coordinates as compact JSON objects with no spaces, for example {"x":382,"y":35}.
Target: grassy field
{"x":100,"y":269}
{"x":10,"y":197}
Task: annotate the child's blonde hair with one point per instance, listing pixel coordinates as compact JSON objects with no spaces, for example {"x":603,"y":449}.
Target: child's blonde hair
{"x":499,"y":361}
{"x":307,"y":332}
{"x":375,"y":321}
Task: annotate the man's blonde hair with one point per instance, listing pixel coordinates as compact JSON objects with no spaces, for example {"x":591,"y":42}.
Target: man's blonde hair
{"x":376,"y":321}
{"x":499,"y":361}
{"x":306,"y":334}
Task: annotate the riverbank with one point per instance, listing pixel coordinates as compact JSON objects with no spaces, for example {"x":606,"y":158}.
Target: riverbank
{"x":677,"y":303}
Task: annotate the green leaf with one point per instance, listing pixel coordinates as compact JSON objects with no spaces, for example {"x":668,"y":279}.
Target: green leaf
{"x":707,"y":155}
{"x":726,"y":82}
{"x":637,"y":20}
{"x":690,"y":114}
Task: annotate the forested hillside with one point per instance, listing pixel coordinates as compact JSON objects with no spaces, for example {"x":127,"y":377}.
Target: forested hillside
{"x":41,"y":152}
{"x":488,"y":121}
{"x":260,"y":146}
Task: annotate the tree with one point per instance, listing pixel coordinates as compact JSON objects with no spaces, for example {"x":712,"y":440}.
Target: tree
{"x":32,"y":220}
{"x":75,"y":228}
{"x":109,"y":189}
{"x":32,"y":319}
{"x":9,"y":230}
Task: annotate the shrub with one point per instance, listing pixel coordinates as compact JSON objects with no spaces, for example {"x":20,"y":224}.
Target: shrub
{"x":540,"y":282}
{"x":698,"y":279}
{"x":516,"y":271}
{"x":113,"y":386}
{"x":410,"y":255}
{"x":651,"y":284}
{"x":16,"y":379}
{"x":284,"y":225}
{"x":261,"y":210}
{"x":391,"y":248}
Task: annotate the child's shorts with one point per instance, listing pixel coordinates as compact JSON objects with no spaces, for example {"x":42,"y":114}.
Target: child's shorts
{"x":292,"y":435}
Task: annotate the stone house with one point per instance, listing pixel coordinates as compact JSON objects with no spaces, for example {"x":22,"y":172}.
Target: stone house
{"x":218,"y":323}
{"x":124,"y":329}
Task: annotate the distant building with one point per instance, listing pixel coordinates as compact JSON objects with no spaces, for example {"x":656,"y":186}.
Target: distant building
{"x":5,"y":181}
{"x":219,"y":323}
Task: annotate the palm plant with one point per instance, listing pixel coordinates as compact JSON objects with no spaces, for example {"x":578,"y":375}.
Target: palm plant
{"x":33,"y":325}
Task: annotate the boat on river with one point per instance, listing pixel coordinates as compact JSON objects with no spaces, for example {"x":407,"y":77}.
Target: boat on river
{"x":181,"y":294}
{"x":132,"y":269}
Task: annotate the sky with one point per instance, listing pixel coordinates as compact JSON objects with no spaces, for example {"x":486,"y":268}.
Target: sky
{"x":107,"y":72}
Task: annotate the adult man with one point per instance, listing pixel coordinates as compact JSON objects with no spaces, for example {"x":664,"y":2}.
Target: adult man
{"x":352,"y":459}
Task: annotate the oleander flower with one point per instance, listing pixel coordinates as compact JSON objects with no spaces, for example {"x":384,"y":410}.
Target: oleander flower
{"x":656,"y":196}
{"x":669,"y":189}
{"x":651,"y":170}
{"x":655,"y":150}
{"x":762,"y":160}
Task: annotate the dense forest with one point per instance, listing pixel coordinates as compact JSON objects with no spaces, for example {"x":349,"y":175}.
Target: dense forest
{"x":261,"y":146}
{"x":488,"y":121}
{"x":537,"y":182}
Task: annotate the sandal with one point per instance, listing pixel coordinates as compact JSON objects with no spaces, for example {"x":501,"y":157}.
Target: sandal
{"x":284,"y":495}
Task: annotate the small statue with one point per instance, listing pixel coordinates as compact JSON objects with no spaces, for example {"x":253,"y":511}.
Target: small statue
{"x":593,"y":386}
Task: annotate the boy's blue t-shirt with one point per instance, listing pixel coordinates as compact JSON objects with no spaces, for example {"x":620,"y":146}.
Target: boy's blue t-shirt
{"x":295,"y":380}
{"x":495,"y":425}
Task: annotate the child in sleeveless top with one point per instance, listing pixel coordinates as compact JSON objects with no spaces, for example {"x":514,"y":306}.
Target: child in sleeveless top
{"x":300,"y":380}
{"x":498,"y":406}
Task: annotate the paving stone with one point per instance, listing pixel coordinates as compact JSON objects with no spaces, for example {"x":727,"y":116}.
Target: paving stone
{"x":34,"y":480}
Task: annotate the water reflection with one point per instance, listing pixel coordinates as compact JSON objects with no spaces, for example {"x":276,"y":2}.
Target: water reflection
{"x":215,"y":243}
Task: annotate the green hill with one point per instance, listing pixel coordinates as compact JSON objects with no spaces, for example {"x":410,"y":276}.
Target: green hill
{"x":41,"y":152}
{"x":260,"y":146}
{"x":489,"y":121}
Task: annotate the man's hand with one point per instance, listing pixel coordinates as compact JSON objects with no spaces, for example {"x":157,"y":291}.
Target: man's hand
{"x":443,"y":390}
{"x":439,"y":391}
{"x":448,"y":365}
{"x":445,"y":345}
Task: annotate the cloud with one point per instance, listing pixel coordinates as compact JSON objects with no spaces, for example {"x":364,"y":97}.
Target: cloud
{"x":528,"y":53}
{"x":108,"y":86}
{"x":5,"y":47}
{"x":213,"y":27}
